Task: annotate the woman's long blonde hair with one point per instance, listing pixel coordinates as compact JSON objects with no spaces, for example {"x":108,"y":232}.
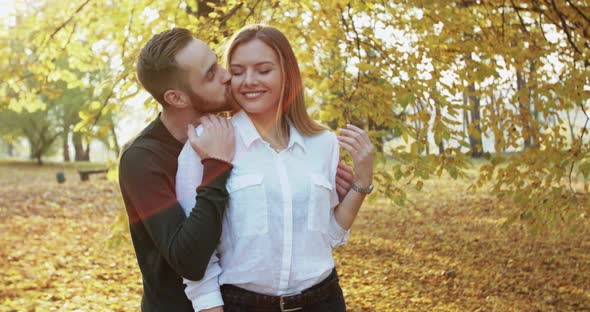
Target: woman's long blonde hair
{"x":292,"y":100}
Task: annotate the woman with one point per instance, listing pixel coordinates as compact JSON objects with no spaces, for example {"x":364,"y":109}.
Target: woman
{"x":284,"y":217}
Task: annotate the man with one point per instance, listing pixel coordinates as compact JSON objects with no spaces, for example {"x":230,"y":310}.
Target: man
{"x":182,"y":74}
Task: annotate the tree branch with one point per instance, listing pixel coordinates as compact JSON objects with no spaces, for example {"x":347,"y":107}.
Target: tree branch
{"x":578,"y":11}
{"x":60,"y":27}
{"x":520,"y":18}
{"x":358,"y":48}
{"x":565,"y":28}
{"x":231,"y":12}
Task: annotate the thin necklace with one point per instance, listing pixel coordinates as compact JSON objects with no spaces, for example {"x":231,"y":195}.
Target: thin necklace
{"x":279,"y":148}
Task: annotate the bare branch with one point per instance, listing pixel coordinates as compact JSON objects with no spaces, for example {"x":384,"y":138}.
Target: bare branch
{"x":578,"y":11}
{"x":520,"y":18}
{"x":64,"y":24}
{"x":231,"y":12}
{"x":358,"y":47}
{"x":565,"y":28}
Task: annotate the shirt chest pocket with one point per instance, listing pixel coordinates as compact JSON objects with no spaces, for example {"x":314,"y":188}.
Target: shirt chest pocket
{"x":248,"y":209}
{"x":318,"y":218}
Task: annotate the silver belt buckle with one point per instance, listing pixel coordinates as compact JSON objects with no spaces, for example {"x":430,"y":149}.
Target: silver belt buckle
{"x":282,"y":303}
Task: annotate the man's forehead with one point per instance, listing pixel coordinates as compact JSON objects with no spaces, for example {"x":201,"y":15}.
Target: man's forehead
{"x":196,"y":54}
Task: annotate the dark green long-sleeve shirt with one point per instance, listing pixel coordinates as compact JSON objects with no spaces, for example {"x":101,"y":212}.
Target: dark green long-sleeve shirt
{"x":167,"y":244}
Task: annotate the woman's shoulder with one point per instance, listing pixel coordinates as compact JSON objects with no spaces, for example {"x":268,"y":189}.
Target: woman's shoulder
{"x":325,"y":138}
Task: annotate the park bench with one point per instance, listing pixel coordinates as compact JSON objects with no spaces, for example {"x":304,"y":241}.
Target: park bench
{"x":85,"y":174}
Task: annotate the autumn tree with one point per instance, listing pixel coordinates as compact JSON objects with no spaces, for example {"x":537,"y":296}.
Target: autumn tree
{"x":434,"y":79}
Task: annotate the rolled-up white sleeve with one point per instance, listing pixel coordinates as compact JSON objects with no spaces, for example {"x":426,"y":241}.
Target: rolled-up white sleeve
{"x":338,"y":235}
{"x":188,"y":176}
{"x":205,"y":294}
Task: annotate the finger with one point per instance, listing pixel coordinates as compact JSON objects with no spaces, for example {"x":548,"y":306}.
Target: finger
{"x":197,"y":122}
{"x":362,"y":132}
{"x":344,"y":168}
{"x":344,"y":175}
{"x":342,"y":184}
{"x":354,"y":135}
{"x":210,"y":119}
{"x":192,"y":134}
{"x":206,"y":122}
{"x":216,"y":121}
{"x":344,"y":171}
{"x":350,"y":141}
{"x":226,"y":123}
{"x":349,"y":148}
{"x":340,"y":190}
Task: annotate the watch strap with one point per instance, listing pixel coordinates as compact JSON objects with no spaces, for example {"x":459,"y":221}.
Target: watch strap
{"x":363,"y":190}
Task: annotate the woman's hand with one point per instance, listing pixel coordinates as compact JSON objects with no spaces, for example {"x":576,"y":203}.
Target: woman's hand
{"x":356,"y":141}
{"x":217,"y":139}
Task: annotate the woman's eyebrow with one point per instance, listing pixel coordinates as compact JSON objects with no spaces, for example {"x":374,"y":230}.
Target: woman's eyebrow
{"x":257,"y":64}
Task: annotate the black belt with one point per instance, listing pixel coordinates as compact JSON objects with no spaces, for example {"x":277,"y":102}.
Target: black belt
{"x":293,"y":302}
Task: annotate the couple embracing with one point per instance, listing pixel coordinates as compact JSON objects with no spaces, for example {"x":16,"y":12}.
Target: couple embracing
{"x":239,"y":214}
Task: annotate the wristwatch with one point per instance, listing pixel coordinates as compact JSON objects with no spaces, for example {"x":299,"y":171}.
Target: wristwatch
{"x":363,"y":190}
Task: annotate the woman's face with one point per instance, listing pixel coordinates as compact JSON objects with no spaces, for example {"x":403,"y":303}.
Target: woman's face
{"x":256,"y":78}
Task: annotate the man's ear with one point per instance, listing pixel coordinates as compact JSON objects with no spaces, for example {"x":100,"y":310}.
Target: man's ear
{"x":176,"y":98}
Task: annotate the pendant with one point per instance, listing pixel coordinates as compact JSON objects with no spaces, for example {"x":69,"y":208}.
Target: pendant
{"x":277,"y":150}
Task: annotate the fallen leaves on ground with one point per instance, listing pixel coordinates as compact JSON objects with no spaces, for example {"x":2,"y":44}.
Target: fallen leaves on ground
{"x":448,"y":251}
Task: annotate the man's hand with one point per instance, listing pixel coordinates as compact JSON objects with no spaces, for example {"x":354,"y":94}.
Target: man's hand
{"x":344,"y":179}
{"x":217,"y":139}
{"x":216,"y":309}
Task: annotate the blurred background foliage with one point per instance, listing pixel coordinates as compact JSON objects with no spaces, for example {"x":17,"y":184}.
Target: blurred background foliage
{"x":438,"y":84}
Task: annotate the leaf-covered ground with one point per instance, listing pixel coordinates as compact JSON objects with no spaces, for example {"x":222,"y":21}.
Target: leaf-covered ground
{"x":445,"y":252}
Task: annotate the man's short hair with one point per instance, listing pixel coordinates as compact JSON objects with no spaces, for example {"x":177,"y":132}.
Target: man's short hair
{"x":157,"y":69}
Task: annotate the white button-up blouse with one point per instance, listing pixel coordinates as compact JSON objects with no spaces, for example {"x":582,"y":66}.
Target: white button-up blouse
{"x":279,"y":229}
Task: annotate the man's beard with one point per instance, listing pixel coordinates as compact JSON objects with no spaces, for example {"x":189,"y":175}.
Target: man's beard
{"x":204,"y":106}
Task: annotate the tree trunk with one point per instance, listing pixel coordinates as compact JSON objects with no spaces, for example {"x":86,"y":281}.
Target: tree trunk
{"x":66,"y":146}
{"x":10,"y":150}
{"x":78,"y":146}
{"x":465,"y":116}
{"x":475,"y":126}
{"x":535,"y":115}
{"x":441,"y":145}
{"x":524,"y":109}
{"x":115,"y":141}
{"x":499,"y":146}
{"x":87,"y":152}
{"x":35,"y":152}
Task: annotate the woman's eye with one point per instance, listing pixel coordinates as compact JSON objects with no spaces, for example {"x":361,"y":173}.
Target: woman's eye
{"x":264,"y":72}
{"x":236,"y":74}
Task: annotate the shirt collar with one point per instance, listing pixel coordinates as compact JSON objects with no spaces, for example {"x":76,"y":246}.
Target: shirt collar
{"x":249,"y":134}
{"x":294,"y":136}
